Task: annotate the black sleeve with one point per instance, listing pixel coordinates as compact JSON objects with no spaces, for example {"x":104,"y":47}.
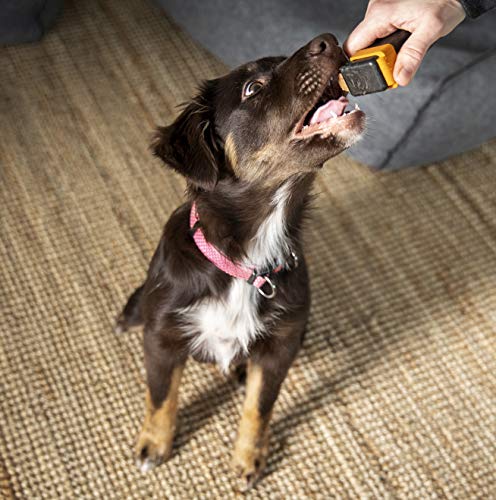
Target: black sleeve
{"x":475,"y":8}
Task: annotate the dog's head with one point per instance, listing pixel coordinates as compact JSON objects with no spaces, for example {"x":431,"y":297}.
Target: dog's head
{"x":265,"y":120}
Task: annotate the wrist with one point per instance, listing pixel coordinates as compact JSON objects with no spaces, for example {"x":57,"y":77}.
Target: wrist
{"x":473,"y":8}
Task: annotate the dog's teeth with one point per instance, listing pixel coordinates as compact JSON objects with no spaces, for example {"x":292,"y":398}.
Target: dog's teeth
{"x":356,"y":106}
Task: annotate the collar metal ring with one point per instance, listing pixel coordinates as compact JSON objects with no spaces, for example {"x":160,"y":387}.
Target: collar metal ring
{"x":272,"y":293}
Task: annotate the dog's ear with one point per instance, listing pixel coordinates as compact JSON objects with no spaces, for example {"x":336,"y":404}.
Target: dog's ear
{"x":190,"y":145}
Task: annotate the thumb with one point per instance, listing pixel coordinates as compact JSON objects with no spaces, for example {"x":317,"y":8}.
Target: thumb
{"x":411,"y":55}
{"x":364,"y":35}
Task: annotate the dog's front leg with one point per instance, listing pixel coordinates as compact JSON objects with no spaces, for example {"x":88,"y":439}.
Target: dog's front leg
{"x":265,"y":374}
{"x":251,"y":447}
{"x":164,"y":369}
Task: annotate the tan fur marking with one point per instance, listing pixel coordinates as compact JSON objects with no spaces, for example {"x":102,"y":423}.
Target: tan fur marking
{"x":157,"y":433}
{"x":266,"y":153}
{"x":230,"y":150}
{"x":267,"y":167}
{"x":251,"y":448}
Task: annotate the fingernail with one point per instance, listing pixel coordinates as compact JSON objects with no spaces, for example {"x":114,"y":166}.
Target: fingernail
{"x":404,"y":75}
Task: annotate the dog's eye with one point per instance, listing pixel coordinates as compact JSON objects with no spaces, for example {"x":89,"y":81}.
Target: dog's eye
{"x":252,"y":88}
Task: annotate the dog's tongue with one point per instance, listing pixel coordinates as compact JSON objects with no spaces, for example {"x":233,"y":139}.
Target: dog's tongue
{"x":330,"y":109}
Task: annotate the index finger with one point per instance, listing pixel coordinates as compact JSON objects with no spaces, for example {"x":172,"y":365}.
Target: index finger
{"x":365,"y":34}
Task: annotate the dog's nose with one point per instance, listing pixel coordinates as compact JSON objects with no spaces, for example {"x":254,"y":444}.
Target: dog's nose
{"x":322,"y":45}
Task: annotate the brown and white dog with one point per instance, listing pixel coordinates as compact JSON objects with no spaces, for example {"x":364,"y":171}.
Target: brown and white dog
{"x":249,"y":146}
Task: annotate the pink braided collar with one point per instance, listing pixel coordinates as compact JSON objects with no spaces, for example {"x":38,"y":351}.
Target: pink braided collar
{"x":249,"y":274}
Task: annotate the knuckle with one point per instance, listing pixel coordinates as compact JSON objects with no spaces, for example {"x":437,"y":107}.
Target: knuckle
{"x":413,"y":52}
{"x":374,"y":9}
{"x":436,"y":24}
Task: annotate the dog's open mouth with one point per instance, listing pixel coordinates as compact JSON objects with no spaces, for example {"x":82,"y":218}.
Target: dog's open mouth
{"x":327,"y":113}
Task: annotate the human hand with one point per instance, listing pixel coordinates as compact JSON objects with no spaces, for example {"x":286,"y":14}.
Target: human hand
{"x":426,"y":20}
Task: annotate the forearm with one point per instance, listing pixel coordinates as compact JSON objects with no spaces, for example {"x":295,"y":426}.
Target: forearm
{"x":475,"y":8}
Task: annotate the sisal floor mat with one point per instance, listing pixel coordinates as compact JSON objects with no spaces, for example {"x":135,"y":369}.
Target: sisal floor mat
{"x":394,"y":393}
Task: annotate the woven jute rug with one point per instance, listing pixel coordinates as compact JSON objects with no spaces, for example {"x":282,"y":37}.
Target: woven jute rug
{"x":394,"y":392}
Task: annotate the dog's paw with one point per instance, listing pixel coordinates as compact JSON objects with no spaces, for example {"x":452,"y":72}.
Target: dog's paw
{"x":248,"y":465}
{"x":120,"y":325}
{"x":152,"y":450}
{"x":123,"y":324}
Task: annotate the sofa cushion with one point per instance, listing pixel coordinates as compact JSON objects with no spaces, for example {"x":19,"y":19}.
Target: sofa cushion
{"x":26,"y":20}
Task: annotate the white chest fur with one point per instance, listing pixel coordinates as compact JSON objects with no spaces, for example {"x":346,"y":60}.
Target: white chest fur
{"x":221,"y":329}
{"x":224,"y":328}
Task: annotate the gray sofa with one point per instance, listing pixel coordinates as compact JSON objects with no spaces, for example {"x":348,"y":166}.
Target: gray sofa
{"x":26,"y":20}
